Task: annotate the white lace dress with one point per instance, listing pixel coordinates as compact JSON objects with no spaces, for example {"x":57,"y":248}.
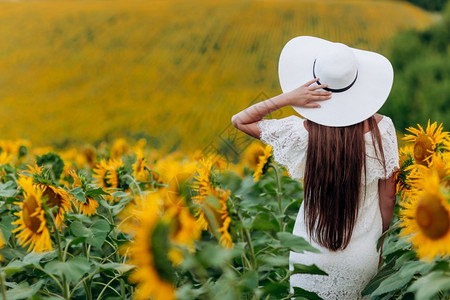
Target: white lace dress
{"x":352,"y":268}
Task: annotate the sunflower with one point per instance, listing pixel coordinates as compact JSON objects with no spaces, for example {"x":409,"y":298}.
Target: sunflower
{"x":5,"y":158}
{"x":139,"y":167}
{"x":202,"y":186}
{"x":417,"y":174}
{"x":89,"y":207}
{"x":114,"y":169}
{"x":100,"y":174}
{"x":174,"y":164}
{"x":426,"y":142}
{"x":119,"y":148}
{"x":33,"y":230}
{"x":252,"y":154}
{"x":88,"y":155}
{"x":56,"y":197}
{"x":426,"y":219}
{"x":184,"y":230}
{"x":108,"y":174}
{"x":225,"y":219}
{"x":263,"y":162}
{"x":148,"y":252}
{"x":401,"y":174}
{"x":214,"y":209}
{"x":2,"y":243}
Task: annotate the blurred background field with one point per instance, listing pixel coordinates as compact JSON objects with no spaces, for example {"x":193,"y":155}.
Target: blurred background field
{"x":174,"y":72}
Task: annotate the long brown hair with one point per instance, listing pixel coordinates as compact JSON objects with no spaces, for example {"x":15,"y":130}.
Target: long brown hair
{"x":335,"y":161}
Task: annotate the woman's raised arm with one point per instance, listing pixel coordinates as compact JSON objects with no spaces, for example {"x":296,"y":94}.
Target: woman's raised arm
{"x":303,"y":96}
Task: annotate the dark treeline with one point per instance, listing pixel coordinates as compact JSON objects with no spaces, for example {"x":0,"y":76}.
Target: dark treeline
{"x":432,"y":5}
{"x":421,"y":61}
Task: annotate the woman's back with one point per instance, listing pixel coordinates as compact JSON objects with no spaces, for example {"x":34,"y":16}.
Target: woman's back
{"x":349,"y":269}
{"x":343,"y":87}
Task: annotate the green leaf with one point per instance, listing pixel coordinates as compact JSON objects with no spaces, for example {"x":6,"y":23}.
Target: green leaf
{"x":382,"y":275}
{"x":395,"y":282}
{"x":275,"y":288}
{"x":120,"y":194}
{"x":249,"y":280}
{"x":399,"y":245}
{"x":32,"y":259}
{"x":79,"y":217}
{"x":77,"y":240}
{"x":188,"y":292}
{"x":95,"y":192}
{"x":295,"y":243}
{"x":304,"y":269}
{"x":14,"y":267}
{"x":275,"y":261}
{"x":263,"y":221}
{"x":8,"y":189}
{"x":52,"y":162}
{"x":430,"y":285}
{"x":78,"y":193}
{"x":404,"y":275}
{"x":211,"y":255}
{"x":23,"y":290}
{"x":300,"y":293}
{"x":95,"y":234}
{"x":73,"y":269}
{"x":116,"y":207}
{"x":121,"y":268}
{"x":6,"y":227}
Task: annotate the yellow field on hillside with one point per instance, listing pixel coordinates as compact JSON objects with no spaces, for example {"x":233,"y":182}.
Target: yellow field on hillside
{"x":171,"y":71}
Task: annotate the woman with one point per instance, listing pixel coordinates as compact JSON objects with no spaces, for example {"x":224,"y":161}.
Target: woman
{"x":344,"y":152}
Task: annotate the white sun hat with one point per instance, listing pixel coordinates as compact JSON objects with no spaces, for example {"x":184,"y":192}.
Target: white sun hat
{"x":360,"y":81}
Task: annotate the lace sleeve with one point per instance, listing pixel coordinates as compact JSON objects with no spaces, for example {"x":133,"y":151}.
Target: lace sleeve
{"x":288,"y":139}
{"x":390,"y":149}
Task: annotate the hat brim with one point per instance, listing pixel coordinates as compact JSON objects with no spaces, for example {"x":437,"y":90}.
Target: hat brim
{"x":362,"y":100}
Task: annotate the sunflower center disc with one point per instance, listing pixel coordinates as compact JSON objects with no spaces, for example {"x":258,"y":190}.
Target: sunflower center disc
{"x":31,"y":222}
{"x":422,"y":148}
{"x":432,"y":217}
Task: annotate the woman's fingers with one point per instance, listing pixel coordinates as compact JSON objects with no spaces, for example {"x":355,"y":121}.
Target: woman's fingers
{"x":314,"y":87}
{"x":312,"y":105}
{"x":319,"y":86}
{"x":320,"y":98}
{"x":311,"y":82}
{"x":320,"y":93}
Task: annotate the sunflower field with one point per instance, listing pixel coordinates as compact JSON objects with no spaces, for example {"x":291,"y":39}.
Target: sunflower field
{"x":123,"y":221}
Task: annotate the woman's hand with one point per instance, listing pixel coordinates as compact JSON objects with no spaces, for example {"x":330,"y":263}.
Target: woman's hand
{"x":303,"y":96}
{"x":307,"y":95}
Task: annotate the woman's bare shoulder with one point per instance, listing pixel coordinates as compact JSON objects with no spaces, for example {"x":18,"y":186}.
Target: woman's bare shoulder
{"x":378,"y":117}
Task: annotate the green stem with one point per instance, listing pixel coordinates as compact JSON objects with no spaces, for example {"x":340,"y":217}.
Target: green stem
{"x":135,"y":183}
{"x":61,"y":257}
{"x":48,"y":293}
{"x":88,"y":290}
{"x":57,"y":238}
{"x":116,"y":254}
{"x":106,"y":286}
{"x":249,"y":243}
{"x":86,"y":283}
{"x":52,"y":277}
{"x":288,"y":275}
{"x":279,"y":199}
{"x":2,"y":283}
{"x":83,"y":281}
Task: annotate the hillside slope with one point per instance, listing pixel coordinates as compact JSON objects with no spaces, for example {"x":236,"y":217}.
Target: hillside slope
{"x":171,"y":71}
